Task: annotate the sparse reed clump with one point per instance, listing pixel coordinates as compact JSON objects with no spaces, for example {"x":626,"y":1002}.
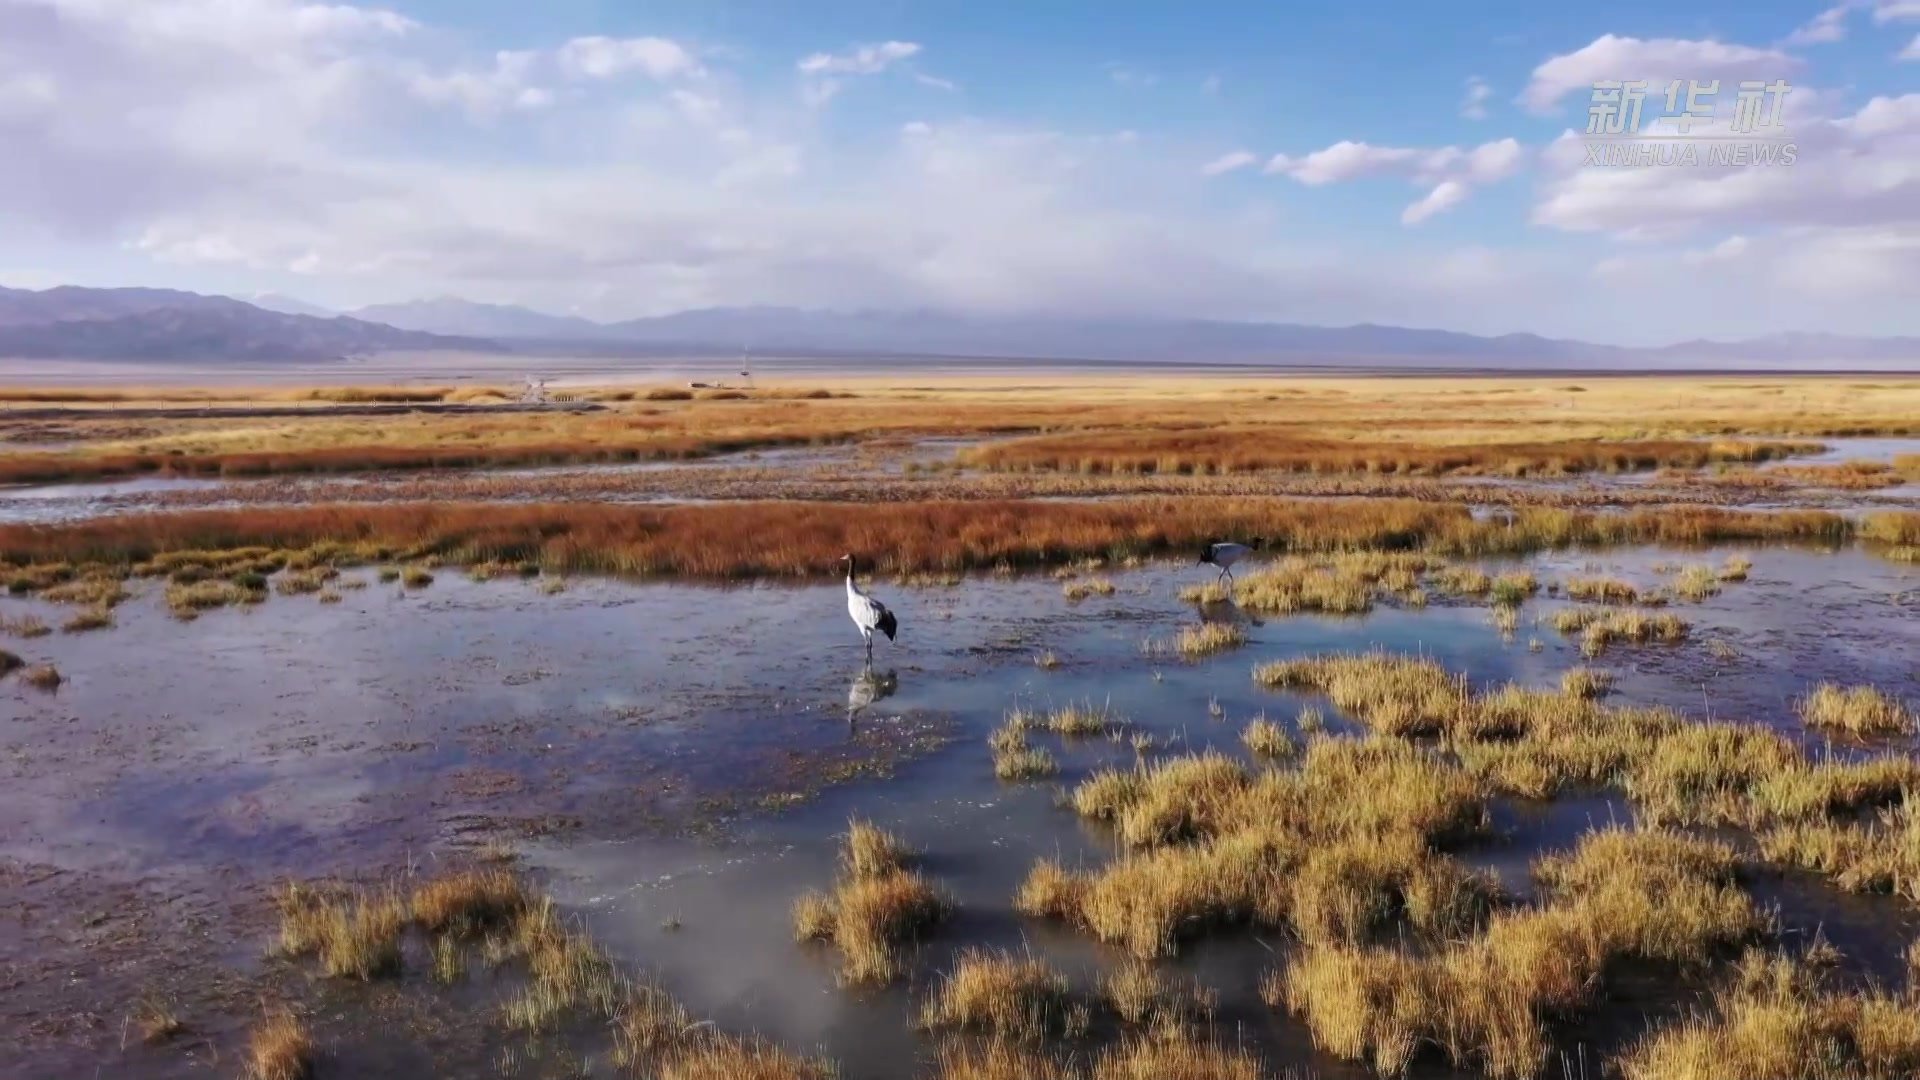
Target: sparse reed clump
{"x":1634,"y":626}
{"x":875,"y":908}
{"x":1736,"y":568}
{"x":280,"y":1049}
{"x":1080,"y":719}
{"x":1393,"y":694}
{"x":1882,"y":856}
{"x":1773,"y":1018}
{"x":1083,"y":588}
{"x":469,"y":902}
{"x":1197,"y":642}
{"x":24,"y":626}
{"x":655,"y":1036}
{"x":354,"y":935}
{"x":1856,"y":710}
{"x":1485,"y":1001}
{"x":187,"y":601}
{"x":1142,"y":995}
{"x":1585,"y":683}
{"x":1268,"y":739}
{"x":94,"y":618}
{"x":870,"y":851}
{"x":1008,"y":996}
{"x":43,"y":677}
{"x":1603,"y":590}
{"x":1697,"y":583}
{"x":1337,"y":847}
{"x":1163,"y":1055}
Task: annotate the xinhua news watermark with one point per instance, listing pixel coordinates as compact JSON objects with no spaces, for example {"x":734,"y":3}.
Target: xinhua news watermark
{"x":1754,"y":133}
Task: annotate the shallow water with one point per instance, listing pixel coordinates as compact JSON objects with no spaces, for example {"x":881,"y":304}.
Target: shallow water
{"x":299,"y":738}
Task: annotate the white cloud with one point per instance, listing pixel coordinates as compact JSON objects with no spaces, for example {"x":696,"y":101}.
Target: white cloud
{"x":1850,"y":170}
{"x":1828,"y":26}
{"x":1451,"y":171}
{"x":1445,"y":195}
{"x":1726,"y":250}
{"x":658,"y":58}
{"x":1657,"y":60}
{"x":1228,"y":162}
{"x":1474,"y":105}
{"x":1912,"y":51}
{"x":1349,"y":160}
{"x":862,"y":60}
{"x":1886,"y":11}
{"x":482,"y":93}
{"x":825,"y":73}
{"x":253,"y":145}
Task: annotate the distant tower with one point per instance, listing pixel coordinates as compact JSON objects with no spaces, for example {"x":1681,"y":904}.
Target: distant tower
{"x":746,"y":366}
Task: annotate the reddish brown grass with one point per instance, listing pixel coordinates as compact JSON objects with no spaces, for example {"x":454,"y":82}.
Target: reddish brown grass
{"x":804,"y":539}
{"x":1255,"y":449}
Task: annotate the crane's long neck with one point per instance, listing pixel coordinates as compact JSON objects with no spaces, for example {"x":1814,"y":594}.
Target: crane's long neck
{"x":852,"y":589}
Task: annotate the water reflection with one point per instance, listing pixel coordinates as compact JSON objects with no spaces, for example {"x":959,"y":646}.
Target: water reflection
{"x":868,"y":687}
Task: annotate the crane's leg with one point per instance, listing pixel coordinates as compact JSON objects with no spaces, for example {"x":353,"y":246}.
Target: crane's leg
{"x":868,"y":634}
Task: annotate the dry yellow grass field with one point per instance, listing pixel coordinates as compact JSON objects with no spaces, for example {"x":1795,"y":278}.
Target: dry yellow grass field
{"x":1519,"y":425}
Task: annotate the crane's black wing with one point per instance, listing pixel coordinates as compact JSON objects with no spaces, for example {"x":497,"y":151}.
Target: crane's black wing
{"x":887,"y":624}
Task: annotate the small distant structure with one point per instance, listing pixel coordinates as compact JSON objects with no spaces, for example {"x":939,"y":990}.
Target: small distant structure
{"x":746,"y":366}
{"x":534,"y":392}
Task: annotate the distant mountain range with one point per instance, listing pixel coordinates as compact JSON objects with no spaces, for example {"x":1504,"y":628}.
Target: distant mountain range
{"x":162,"y":324}
{"x":72,"y":323}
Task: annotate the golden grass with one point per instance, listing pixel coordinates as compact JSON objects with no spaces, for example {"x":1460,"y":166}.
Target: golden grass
{"x":1268,"y":739}
{"x":1176,"y":1058}
{"x":656,"y":1037}
{"x":1080,"y":719}
{"x":80,"y":622}
{"x":1773,"y":1018}
{"x":1587,"y":683}
{"x":1008,"y":996}
{"x":1632,"y":626}
{"x":1080,"y":590}
{"x":874,"y":909}
{"x":42,"y":677}
{"x":1856,"y":710}
{"x":998,"y":1061}
{"x":1209,"y":845}
{"x":1393,"y":694}
{"x":353,"y":935}
{"x":870,"y":851}
{"x":1234,"y":450}
{"x":1207,"y":639}
{"x":1485,"y":1001}
{"x":804,"y":538}
{"x":468,"y":902}
{"x":157,"y":1021}
{"x":1697,"y":583}
{"x":24,"y":626}
{"x":279,"y":1048}
{"x":1144,"y":996}
{"x":1882,"y":856}
{"x":1603,"y":590}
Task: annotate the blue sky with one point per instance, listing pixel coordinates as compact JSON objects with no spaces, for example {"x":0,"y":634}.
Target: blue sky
{"x":1392,"y":162}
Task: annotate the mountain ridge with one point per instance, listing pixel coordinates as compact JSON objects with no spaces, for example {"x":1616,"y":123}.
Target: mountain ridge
{"x":73,"y":322}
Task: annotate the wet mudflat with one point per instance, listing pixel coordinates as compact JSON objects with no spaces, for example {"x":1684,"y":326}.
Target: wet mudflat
{"x":675,"y":763}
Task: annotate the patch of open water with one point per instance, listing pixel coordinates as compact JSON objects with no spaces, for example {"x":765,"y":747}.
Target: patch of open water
{"x":300,"y":738}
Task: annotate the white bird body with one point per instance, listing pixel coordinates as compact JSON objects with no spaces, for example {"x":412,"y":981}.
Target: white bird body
{"x":1224,"y":555}
{"x":867,"y":613}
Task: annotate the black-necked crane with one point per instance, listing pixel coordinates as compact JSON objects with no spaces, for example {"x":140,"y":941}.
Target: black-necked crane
{"x":1223,"y":554}
{"x":867,"y":613}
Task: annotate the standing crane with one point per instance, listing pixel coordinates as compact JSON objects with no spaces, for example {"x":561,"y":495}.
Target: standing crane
{"x":867,"y":613}
{"x":1223,"y":554}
